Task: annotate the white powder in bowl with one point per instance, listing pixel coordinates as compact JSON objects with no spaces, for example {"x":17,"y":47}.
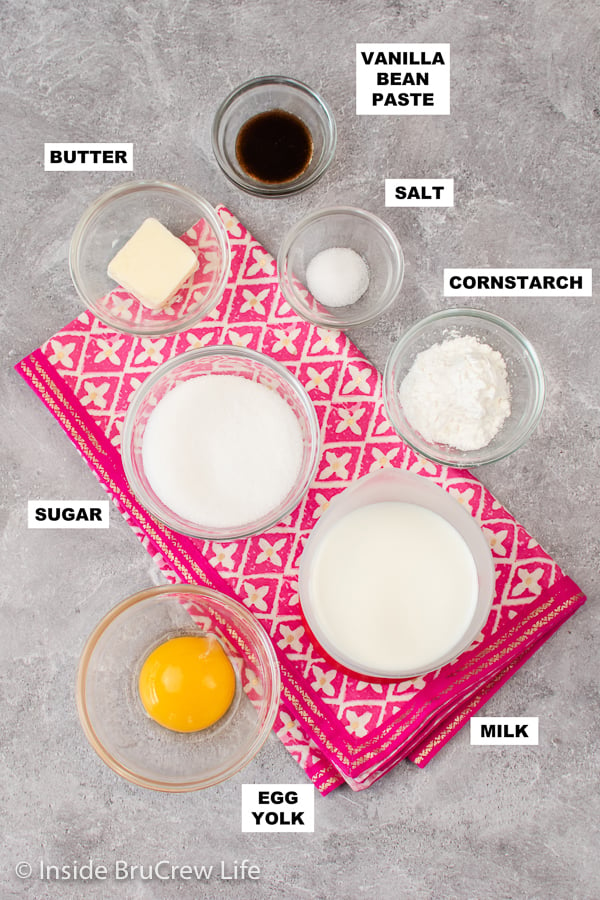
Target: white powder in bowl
{"x":222,"y":451}
{"x":457,"y":393}
{"x":338,"y":276}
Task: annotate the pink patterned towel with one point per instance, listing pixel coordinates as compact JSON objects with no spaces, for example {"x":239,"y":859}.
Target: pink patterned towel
{"x":339,"y":728}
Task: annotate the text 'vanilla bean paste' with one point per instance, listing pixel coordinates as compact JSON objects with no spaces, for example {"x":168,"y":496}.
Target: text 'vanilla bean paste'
{"x":274,"y":146}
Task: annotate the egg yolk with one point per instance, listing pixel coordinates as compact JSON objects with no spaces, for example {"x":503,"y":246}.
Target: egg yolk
{"x":187,"y":683}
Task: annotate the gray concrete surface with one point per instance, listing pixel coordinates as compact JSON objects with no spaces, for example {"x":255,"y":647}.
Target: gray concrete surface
{"x":522,"y":145}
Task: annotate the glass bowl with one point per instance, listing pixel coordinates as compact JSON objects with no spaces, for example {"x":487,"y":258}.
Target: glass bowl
{"x":524,"y":374}
{"x":111,"y":712}
{"x":394,"y":485}
{"x":109,"y":223}
{"x":261,"y":95}
{"x":344,"y":227}
{"x":240,"y":362}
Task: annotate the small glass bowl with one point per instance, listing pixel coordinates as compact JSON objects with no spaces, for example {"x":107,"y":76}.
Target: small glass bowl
{"x":244,"y":363}
{"x":524,"y":373}
{"x":109,"y":223}
{"x":112,"y":716}
{"x":260,"y":95}
{"x":347,"y":227}
{"x":385,"y":486}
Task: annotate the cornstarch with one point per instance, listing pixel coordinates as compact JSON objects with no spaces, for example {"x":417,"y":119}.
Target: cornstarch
{"x":457,"y":393}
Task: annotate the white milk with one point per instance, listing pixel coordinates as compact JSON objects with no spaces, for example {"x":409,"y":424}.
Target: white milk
{"x":221,"y":450}
{"x":394,"y":587}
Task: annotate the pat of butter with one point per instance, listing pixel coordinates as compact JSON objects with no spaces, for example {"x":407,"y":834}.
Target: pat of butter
{"x":153,"y":264}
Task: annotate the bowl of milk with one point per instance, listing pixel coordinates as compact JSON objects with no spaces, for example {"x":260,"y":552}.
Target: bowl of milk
{"x":396,"y":579}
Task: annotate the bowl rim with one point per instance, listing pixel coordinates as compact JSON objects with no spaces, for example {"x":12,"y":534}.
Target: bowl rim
{"x":130,"y":187}
{"x":298,"y":184}
{"x":222,"y":535}
{"x":332,"y":321}
{"x":466,"y":460}
{"x":429,"y":485}
{"x":270,"y":657}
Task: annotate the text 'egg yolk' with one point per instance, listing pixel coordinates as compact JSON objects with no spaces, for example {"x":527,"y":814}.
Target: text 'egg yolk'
{"x":187,"y":683}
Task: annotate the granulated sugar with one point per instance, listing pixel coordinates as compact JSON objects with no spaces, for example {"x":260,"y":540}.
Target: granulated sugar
{"x":457,"y":393}
{"x":221,"y":450}
{"x":338,"y":276}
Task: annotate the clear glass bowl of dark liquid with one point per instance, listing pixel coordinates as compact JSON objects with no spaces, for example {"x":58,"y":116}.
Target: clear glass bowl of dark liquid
{"x":273,"y":136}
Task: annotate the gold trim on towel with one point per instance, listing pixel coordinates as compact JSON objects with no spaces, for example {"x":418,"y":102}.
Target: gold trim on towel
{"x":82,"y":440}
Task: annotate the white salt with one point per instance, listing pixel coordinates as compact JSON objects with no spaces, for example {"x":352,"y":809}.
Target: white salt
{"x":337,"y":276}
{"x":222,"y":451}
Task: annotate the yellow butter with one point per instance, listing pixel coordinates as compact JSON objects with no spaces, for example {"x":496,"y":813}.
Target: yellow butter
{"x":153,"y":264}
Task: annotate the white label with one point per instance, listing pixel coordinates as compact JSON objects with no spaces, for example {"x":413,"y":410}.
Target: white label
{"x":419,"y":191}
{"x":88,"y":157}
{"x":518,"y":282}
{"x":278,"y":807}
{"x":403,"y":79}
{"x":504,"y":730}
{"x":68,"y":513}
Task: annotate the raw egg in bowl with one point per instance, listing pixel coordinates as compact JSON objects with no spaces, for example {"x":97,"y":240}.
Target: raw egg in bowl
{"x":178,"y":687}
